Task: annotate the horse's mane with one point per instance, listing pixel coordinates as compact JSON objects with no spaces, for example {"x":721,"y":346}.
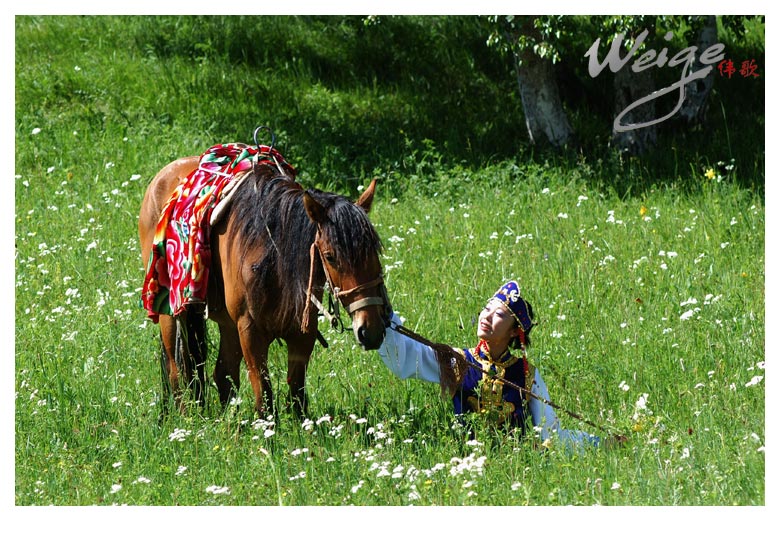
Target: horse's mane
{"x":268,"y":210}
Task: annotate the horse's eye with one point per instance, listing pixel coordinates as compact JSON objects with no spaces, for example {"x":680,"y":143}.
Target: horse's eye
{"x":329,"y":258}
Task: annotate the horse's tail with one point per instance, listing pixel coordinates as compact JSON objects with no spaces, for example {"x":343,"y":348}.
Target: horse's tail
{"x":190,"y":353}
{"x":192,"y":350}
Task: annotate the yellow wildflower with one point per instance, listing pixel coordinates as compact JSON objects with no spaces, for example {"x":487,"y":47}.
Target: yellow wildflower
{"x":710,"y":174}
{"x":638,"y":425}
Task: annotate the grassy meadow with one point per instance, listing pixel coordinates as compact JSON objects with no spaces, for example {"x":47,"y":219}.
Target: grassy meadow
{"x":651,"y":309}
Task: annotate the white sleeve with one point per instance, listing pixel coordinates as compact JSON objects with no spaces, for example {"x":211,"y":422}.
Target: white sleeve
{"x":544,"y":416}
{"x":407,"y":358}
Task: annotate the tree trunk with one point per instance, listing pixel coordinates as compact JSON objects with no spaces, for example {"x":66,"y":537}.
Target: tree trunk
{"x":697,"y":93}
{"x":545,"y":118}
{"x":629,"y":87}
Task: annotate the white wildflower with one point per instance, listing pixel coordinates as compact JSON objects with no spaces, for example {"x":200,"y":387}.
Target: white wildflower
{"x":641,"y":408}
{"x":179,"y":434}
{"x":754,"y":381}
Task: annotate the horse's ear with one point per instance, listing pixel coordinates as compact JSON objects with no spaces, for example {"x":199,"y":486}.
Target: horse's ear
{"x":316,"y":211}
{"x":366,"y":199}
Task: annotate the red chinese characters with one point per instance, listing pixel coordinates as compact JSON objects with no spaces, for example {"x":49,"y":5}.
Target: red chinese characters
{"x":748,"y":68}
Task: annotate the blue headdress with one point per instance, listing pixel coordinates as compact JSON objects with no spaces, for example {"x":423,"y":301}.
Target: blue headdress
{"x":508,"y":294}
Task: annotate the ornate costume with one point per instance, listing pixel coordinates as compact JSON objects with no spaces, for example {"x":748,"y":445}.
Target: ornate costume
{"x":484,"y":391}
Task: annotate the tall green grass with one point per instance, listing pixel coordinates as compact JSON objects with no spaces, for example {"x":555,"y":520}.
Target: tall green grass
{"x":651,"y":311}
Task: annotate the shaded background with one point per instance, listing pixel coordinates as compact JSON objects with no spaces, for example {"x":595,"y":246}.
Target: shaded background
{"x":355,"y":96}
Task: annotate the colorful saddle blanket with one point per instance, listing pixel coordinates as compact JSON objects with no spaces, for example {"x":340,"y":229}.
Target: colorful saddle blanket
{"x":177,"y":273}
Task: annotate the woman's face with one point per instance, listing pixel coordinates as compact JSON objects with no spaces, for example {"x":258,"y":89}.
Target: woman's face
{"x":496,"y":324}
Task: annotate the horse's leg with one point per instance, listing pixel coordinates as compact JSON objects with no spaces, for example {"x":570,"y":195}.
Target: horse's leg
{"x":166,"y":392}
{"x":227,"y":373}
{"x":255,"y":353}
{"x":298,"y":354}
{"x":170,"y":384}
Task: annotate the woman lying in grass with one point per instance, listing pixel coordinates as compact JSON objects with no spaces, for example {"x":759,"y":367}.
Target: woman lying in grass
{"x":488,"y":378}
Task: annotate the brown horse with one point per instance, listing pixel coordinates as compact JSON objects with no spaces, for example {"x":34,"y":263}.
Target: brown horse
{"x":271,"y":253}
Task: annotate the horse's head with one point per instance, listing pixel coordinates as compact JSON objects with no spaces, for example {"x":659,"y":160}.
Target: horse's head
{"x":349,"y":248}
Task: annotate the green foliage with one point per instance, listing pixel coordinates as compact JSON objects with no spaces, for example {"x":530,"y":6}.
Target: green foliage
{"x":644,"y":283}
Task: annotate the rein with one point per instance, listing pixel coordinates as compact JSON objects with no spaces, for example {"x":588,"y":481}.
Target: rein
{"x":444,"y":352}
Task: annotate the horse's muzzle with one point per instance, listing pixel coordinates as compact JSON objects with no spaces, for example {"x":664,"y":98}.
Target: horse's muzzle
{"x":369,"y":335}
{"x":369,"y":328}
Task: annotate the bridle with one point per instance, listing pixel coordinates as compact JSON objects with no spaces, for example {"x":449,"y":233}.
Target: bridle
{"x":342,"y":296}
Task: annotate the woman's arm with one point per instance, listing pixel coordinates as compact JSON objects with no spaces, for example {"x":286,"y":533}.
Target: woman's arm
{"x":407,"y":358}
